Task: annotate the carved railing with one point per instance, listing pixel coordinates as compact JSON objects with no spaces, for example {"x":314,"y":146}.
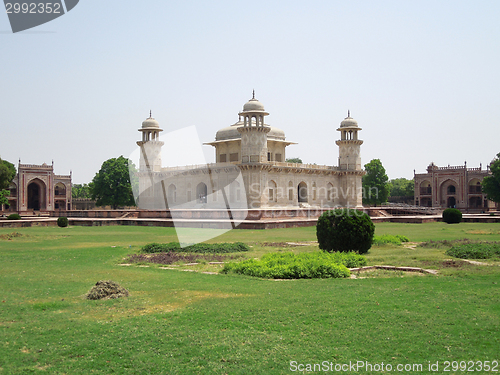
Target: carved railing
{"x":229,"y":164}
{"x":35,"y":166}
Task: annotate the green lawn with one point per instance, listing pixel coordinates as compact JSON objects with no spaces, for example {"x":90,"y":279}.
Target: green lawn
{"x":178,"y":322}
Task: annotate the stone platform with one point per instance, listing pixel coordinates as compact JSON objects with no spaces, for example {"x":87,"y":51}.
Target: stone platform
{"x":217,"y":219}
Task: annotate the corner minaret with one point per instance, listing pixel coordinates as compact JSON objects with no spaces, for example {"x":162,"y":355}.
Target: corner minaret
{"x":253,"y":132}
{"x":150,"y":159}
{"x":349,"y":145}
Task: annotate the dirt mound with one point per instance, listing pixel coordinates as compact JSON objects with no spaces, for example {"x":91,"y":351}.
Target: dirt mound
{"x":286,"y":244}
{"x":10,"y":236}
{"x":106,"y":289}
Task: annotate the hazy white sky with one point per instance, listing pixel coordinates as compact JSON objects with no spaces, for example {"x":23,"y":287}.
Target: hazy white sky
{"x":422,"y":78}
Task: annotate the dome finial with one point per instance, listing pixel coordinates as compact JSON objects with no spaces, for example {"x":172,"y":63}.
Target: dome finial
{"x":253,"y":94}
{"x":150,"y":122}
{"x":348,"y":113}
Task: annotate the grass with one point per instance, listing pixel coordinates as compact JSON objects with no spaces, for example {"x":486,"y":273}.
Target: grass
{"x":441,"y":231}
{"x":178,"y":322}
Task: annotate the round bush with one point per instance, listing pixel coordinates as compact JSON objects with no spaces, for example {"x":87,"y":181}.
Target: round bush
{"x":62,"y":221}
{"x":345,"y":230}
{"x":452,"y":216}
{"x":14,"y":217}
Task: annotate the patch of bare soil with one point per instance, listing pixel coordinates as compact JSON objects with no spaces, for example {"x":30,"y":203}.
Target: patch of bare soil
{"x":276,"y":244}
{"x":287,"y":244}
{"x":448,"y":263}
{"x":174,"y":257}
{"x":411,"y":245}
{"x":453,"y":264}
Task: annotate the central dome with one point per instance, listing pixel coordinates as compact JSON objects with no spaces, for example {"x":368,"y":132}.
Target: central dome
{"x":231,"y":133}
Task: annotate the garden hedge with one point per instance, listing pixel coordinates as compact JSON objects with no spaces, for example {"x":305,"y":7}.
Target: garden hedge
{"x":288,"y":265}
{"x":196,"y":248}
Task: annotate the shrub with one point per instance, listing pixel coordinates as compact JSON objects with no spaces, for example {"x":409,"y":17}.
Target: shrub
{"x":402,"y":238}
{"x":106,"y":289}
{"x":345,"y":230}
{"x":14,"y":217}
{"x":196,"y":248}
{"x":288,"y":265}
{"x":62,"y":221}
{"x":452,"y":216}
{"x":482,"y":250}
{"x":349,"y":259}
{"x":159,"y":247}
{"x":390,"y":239}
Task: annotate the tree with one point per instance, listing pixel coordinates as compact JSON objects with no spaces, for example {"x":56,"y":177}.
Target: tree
{"x":376,"y":189}
{"x":294,"y":160}
{"x":4,"y":197}
{"x":491,"y":184}
{"x":7,"y":174}
{"x":401,"y":187}
{"x":81,"y":190}
{"x":111,"y":185}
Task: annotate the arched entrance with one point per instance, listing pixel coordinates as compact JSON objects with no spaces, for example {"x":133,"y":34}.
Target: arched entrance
{"x":302,"y":192}
{"x":273,"y":191}
{"x":60,"y":196}
{"x":425,"y":188}
{"x":201,"y":192}
{"x":475,"y":186}
{"x":330,"y":192}
{"x":172,"y":194}
{"x":448,"y":192}
{"x":452,"y":202}
{"x":36,"y":195}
